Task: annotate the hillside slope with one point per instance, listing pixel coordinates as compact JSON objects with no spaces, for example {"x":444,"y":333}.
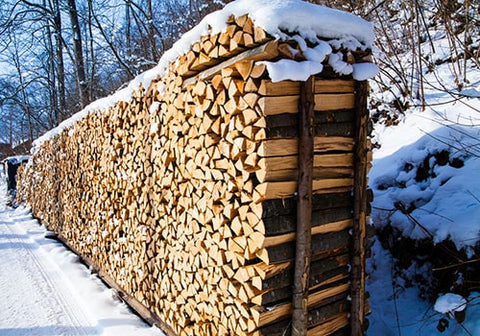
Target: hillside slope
{"x":426,"y":211}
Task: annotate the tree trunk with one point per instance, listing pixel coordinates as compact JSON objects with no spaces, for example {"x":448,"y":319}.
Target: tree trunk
{"x":151,"y":32}
{"x":92,"y":53}
{"x":54,"y":114}
{"x":57,"y":26}
{"x":128,"y":41}
{"x":78,"y":54}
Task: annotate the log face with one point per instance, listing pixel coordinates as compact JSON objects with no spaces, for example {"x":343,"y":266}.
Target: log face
{"x":277,"y":207}
{"x":186,"y":195}
{"x":287,"y":223}
{"x":322,"y":245}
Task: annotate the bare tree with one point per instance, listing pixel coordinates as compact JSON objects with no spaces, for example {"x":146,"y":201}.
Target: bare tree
{"x":59,"y":82}
{"x":78,"y":54}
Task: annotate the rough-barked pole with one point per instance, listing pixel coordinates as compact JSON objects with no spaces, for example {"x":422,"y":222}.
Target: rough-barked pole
{"x":360,"y":207}
{"x":304,"y":209}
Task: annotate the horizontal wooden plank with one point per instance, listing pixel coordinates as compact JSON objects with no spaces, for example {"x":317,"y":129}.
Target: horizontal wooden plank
{"x":345,"y":129}
{"x":328,"y":327}
{"x":333,"y":243}
{"x":272,"y":190}
{"x":316,"y":316}
{"x":280,"y":225}
{"x":288,"y":206}
{"x":319,"y":161}
{"x":325,"y":228}
{"x":266,"y":51}
{"x":284,"y":168}
{"x":262,"y":318}
{"x":289,"y":104}
{"x":283,"y":295}
{"x":319,"y":118}
{"x":318,"y":268}
{"x":283,"y":88}
{"x":283,"y":147}
{"x":291,"y":174}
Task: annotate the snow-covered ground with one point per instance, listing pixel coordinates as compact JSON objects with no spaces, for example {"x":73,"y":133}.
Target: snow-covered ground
{"x":46,"y":291}
{"x":398,"y":310}
{"x":425,"y":179}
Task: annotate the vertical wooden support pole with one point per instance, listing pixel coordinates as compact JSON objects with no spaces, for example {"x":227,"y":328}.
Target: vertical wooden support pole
{"x":304,"y":209}
{"x":360,"y":207}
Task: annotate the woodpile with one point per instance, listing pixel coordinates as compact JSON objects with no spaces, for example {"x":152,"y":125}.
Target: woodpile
{"x":185,"y":195}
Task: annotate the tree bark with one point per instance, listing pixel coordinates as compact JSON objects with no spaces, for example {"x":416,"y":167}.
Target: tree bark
{"x":78,"y":54}
{"x":128,"y":28}
{"x":360,"y":209}
{"x":151,"y":32}
{"x":53,"y":116}
{"x":57,"y":26}
{"x":304,"y":209}
{"x":92,"y":52}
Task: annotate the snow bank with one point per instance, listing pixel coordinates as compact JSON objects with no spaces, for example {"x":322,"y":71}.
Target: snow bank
{"x":446,"y":200}
{"x":276,"y":17}
{"x":449,"y":303}
{"x":398,"y":309}
{"x":443,"y":201}
{"x":17,"y":159}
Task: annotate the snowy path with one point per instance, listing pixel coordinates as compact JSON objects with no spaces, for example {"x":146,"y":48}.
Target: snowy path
{"x":44,"y":290}
{"x":24,"y":270}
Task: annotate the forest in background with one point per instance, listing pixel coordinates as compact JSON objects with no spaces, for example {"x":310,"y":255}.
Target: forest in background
{"x":58,"y":56}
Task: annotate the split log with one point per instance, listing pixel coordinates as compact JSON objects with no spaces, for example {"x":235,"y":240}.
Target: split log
{"x":322,"y":245}
{"x":273,"y":190}
{"x":327,"y":310}
{"x":283,"y":147}
{"x":264,"y":317}
{"x":289,"y":104}
{"x":282,"y":224}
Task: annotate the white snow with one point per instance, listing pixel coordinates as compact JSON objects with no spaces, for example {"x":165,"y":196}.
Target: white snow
{"x":44,"y":290}
{"x":276,"y":17}
{"x":154,"y":107}
{"x":398,"y":310}
{"x":446,"y":203}
{"x":316,"y":54}
{"x":341,"y":67}
{"x":449,"y":303}
{"x":154,"y":128}
{"x":364,"y":71}
{"x":17,"y":159}
{"x":292,"y":70}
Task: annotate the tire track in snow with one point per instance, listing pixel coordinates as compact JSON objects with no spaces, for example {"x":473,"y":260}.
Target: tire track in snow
{"x":43,"y":304}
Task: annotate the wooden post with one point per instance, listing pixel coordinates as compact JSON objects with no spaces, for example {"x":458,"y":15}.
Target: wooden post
{"x":360,"y":206}
{"x":304,"y":209}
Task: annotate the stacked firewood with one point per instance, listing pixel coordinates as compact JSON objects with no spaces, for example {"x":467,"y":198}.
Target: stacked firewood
{"x":185,"y":194}
{"x":24,"y":184}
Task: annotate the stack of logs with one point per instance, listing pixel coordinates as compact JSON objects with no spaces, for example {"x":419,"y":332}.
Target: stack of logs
{"x":185,"y":194}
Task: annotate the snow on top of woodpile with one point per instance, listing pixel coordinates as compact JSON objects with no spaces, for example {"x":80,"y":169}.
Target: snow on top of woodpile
{"x":279,"y":18}
{"x":17,"y":159}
